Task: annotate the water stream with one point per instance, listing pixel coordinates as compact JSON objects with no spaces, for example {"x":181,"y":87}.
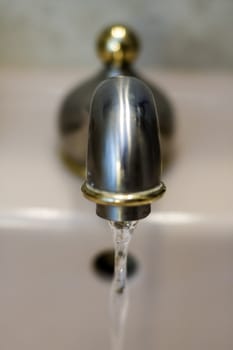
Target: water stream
{"x":122,"y":233}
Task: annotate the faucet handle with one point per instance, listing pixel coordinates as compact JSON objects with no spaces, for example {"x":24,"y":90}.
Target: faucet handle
{"x":117,"y":45}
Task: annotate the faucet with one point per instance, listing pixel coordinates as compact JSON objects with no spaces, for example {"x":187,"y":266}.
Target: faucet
{"x":118,"y":47}
{"x":123,"y":165}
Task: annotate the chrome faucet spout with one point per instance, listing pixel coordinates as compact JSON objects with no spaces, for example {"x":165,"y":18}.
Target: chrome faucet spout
{"x":123,"y":159}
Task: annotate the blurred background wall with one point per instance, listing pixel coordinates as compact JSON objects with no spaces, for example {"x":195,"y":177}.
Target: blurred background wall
{"x":174,"y":33}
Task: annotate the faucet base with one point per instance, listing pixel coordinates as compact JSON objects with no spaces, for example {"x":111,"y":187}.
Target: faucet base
{"x":117,"y":213}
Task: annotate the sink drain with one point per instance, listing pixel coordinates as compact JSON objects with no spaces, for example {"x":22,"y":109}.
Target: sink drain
{"x":103,"y":264}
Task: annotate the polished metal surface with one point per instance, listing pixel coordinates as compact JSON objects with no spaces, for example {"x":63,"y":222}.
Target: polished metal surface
{"x":128,"y":199}
{"x":118,"y":47}
{"x":123,"y":159}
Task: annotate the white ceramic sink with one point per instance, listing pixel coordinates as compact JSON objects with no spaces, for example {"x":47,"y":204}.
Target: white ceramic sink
{"x":50,"y":296}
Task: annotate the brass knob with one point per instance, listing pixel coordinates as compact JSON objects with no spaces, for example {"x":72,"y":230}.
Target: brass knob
{"x":117,"y":45}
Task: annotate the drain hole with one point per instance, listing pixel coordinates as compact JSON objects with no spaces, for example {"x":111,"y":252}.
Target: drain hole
{"x":104,"y":264}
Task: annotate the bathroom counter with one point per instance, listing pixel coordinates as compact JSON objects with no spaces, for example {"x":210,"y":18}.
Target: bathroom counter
{"x":37,"y":187}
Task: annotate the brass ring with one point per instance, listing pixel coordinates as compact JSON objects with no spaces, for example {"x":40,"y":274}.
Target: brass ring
{"x":123,"y":199}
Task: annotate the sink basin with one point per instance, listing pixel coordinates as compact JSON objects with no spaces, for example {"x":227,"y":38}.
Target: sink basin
{"x":180,"y":297}
{"x":51,"y":296}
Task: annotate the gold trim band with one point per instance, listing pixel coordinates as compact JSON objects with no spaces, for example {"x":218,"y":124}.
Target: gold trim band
{"x":123,"y":199}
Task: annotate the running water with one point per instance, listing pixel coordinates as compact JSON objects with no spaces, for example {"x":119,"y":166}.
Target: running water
{"x":122,"y":232}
